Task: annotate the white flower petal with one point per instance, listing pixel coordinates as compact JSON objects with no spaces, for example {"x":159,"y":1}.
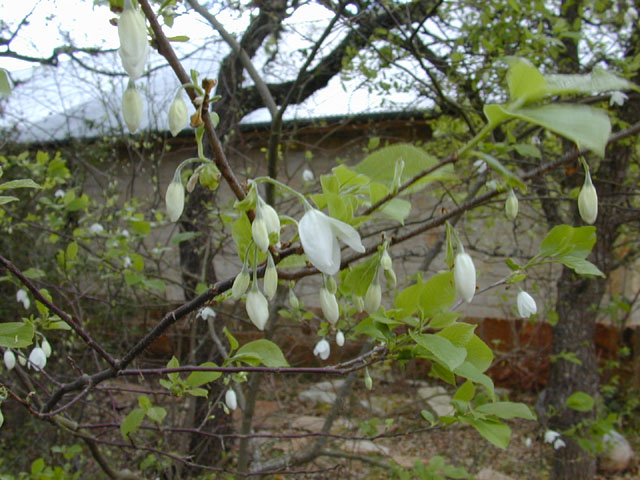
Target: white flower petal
{"x":257,"y":308}
{"x":230,"y":399}
{"x":347,"y":234}
{"x":319,"y":242}
{"x":9,"y":359}
{"x":322,"y":349}
{"x":37,"y":359}
{"x":464,"y":274}
{"x":134,"y":46}
{"x":174,"y":200}
{"x":526,"y":305}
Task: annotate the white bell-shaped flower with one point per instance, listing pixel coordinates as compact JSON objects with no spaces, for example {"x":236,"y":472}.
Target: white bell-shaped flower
{"x":307,"y":175}
{"x":230,"y":399}
{"x":329,"y":305}
{"x":588,"y":201}
{"x":9,"y":359}
{"x":37,"y":359}
{"x":259,"y":232}
{"x":319,"y":236}
{"x":526,"y":305}
{"x":96,"y":229}
{"x":132,"y":107}
{"x":257,"y":307}
{"x":178,"y":115}
{"x":322,"y":349}
{"x":174,"y":198}
{"x":134,"y":46}
{"x":339,"y":338}
{"x":23,"y":297}
{"x":464,"y":275}
{"x":271,"y":220}
{"x":207,"y":313}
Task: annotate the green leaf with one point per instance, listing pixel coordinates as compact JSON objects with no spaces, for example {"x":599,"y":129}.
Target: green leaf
{"x":580,"y":265}
{"x":233,"y":343}
{"x":459,"y":333}
{"x":5,"y":85}
{"x":16,"y":334}
{"x":588,"y":127}
{"x":495,"y":431}
{"x":397,"y":209}
{"x":196,"y":379}
{"x":132,"y":422}
{"x":37,"y":466}
{"x":565,"y":240}
{"x":4,"y":199}
{"x":432,"y":297}
{"x":173,"y":363}
{"x":184,"y":236}
{"x":372,"y":328}
{"x":23,"y":183}
{"x":441,"y":349}
{"x":509,"y":177}
{"x":144,"y":402}
{"x":261,"y":351}
{"x":198,"y":392}
{"x":178,"y":38}
{"x":470,"y":372}
{"x":156,"y":414}
{"x":580,"y":401}
{"x":380,"y":166}
{"x":507,"y":410}
{"x":356,"y":280}
{"x":154,"y":284}
{"x":524,"y":81}
{"x":597,"y":81}
{"x":478,"y":353}
{"x":465,"y":392}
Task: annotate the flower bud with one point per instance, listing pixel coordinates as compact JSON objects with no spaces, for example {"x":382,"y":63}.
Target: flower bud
{"x":329,"y":305}
{"x":257,"y":308}
{"x":588,"y":201}
{"x":373,"y":297}
{"x":259,"y":233}
{"x":385,"y":261}
{"x":193,"y":180}
{"x":178,"y":115}
{"x":293,"y":300}
{"x":511,"y":205}
{"x":241,"y":283}
{"x":22,"y":360}
{"x":134,"y":46}
{"x":331,"y":285}
{"x":464,"y":275}
{"x":390,"y":276}
{"x":368,"y":381}
{"x":174,"y":198}
{"x":322,"y":349}
{"x":132,"y":107}
{"x":526,"y":305}
{"x":46,"y":348}
{"x":270,"y":281}
{"x":358,"y":302}
{"x":339,"y":338}
{"x":9,"y":359}
{"x":230,"y":399}
{"x":271,"y":220}
{"x":37,"y":359}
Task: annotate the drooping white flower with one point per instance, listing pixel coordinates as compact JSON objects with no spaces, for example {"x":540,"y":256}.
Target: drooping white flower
{"x":550,"y":436}
{"x":385,"y":260}
{"x":528,"y":442}
{"x":96,"y":229}
{"x":319,"y":235}
{"x":329,"y":305}
{"x":271,"y":220}
{"x":37,"y":359}
{"x":588,"y":201}
{"x":126,"y":263}
{"x":617,"y":98}
{"x":558,"y":444}
{"x":322,"y":349}
{"x":339,"y":338}
{"x":22,"y":360}
{"x":373,"y":297}
{"x":230,"y":399}
{"x":9,"y":359}
{"x":46,"y":348}
{"x":257,"y":307}
{"x":526,"y":305}
{"x":307,"y":175}
{"x":511,"y":206}
{"x":134,"y":46}
{"x":206,"y":313}
{"x":480,"y":165}
{"x":464,"y":275}
{"x":22,"y":297}
{"x":174,"y":198}
{"x":59,"y":194}
{"x":125,"y":233}
{"x":178,"y":114}
{"x":132,"y":107}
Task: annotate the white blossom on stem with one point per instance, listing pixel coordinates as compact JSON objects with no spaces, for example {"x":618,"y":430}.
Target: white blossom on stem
{"x":526,"y":305}
{"x":464,"y":274}
{"x":37,"y":359}
{"x":322,"y":349}
{"x":134,"y":46}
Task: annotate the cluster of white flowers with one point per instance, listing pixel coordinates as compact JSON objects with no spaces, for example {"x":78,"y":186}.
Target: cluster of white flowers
{"x":553,"y":437}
